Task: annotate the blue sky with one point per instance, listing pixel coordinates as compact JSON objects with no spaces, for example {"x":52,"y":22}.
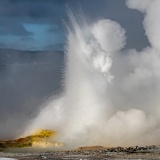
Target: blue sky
{"x":41,"y":38}
{"x":31,"y":25}
{"x":38,"y":24}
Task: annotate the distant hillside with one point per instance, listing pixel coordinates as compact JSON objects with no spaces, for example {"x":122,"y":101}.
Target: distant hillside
{"x":10,"y":56}
{"x":55,"y":47}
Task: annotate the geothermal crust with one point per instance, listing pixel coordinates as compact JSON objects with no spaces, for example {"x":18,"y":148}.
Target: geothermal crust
{"x":40,"y":138}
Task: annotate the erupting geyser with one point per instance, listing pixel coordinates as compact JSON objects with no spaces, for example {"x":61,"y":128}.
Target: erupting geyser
{"x":111,"y":94}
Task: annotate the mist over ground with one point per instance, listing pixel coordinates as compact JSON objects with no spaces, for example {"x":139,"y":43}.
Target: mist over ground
{"x":27,"y":79}
{"x":111,"y":93}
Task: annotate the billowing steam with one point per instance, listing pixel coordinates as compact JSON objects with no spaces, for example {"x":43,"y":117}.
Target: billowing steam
{"x":112,"y":95}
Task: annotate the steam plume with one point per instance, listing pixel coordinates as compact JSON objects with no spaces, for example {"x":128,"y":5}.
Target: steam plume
{"x":111,"y":94}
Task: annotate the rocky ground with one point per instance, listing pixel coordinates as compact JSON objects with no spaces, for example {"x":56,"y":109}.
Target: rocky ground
{"x":92,"y":153}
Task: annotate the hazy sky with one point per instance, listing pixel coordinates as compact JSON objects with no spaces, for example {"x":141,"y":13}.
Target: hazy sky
{"x":38,"y":24}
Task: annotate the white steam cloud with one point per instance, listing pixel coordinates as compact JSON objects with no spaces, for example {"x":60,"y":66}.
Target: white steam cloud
{"x":111,"y":94}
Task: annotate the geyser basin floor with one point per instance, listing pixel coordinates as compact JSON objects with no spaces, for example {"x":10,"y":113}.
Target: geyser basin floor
{"x":93,"y":153}
{"x":7,"y":159}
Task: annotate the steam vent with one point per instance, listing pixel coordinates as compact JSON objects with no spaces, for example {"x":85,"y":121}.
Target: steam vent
{"x":40,"y":138}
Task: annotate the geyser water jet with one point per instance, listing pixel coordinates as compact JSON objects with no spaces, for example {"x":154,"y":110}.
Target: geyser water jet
{"x":111,"y":94}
